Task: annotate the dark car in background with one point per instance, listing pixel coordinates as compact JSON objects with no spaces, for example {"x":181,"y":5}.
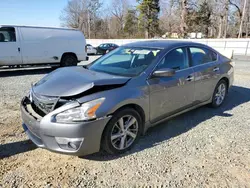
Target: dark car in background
{"x":105,"y":48}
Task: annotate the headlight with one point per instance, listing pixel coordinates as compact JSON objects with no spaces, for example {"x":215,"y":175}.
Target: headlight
{"x":85,"y":112}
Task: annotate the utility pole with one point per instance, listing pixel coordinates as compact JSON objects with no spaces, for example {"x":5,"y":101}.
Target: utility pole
{"x":89,"y":24}
{"x":247,"y":29}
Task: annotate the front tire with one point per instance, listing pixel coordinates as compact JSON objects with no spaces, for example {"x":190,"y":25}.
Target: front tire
{"x":69,"y":60}
{"x":122,"y":131}
{"x":220,"y":94}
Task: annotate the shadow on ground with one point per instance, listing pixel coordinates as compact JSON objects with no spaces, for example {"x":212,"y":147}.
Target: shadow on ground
{"x":10,"y":149}
{"x":181,"y":124}
{"x":7,"y":72}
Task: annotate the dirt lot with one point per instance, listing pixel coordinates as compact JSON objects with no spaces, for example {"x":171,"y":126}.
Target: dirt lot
{"x":202,"y":148}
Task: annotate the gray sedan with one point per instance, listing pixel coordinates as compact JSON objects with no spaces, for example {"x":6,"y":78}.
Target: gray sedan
{"x":110,"y":103}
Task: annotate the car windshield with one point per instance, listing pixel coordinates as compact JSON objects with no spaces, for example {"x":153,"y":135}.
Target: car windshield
{"x":125,"y":61}
{"x":104,"y":45}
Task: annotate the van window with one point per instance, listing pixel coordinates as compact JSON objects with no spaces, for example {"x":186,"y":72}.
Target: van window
{"x":7,"y":34}
{"x":202,"y":56}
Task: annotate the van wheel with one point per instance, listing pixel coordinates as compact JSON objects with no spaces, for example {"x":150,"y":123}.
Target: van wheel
{"x":220,"y":94}
{"x":69,"y":60}
{"x":122,"y":131}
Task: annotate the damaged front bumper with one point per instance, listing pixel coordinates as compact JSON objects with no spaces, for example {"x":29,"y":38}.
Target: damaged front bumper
{"x":81,"y":138}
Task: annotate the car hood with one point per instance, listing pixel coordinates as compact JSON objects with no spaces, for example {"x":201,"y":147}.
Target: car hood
{"x":71,"y":81}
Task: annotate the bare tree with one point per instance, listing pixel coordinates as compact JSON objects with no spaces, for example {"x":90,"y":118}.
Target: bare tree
{"x":81,"y":14}
{"x":247,"y":19}
{"x":237,"y":7}
{"x":71,"y":14}
{"x":226,"y":18}
{"x":119,"y":11}
{"x":242,"y":19}
{"x":170,"y":19}
{"x":237,"y":4}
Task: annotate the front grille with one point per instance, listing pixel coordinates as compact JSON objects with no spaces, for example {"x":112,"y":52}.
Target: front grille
{"x":60,"y":103}
{"x":43,"y":104}
{"x":37,"y":110}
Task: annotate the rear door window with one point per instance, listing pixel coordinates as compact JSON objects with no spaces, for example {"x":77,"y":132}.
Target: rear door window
{"x":201,"y":56}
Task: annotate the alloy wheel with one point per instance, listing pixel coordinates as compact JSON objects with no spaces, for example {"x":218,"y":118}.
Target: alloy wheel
{"x":124,"y":132}
{"x":220,"y":94}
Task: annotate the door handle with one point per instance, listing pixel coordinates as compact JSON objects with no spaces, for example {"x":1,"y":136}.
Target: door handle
{"x":18,"y":49}
{"x":216,"y":69}
{"x":190,"y":78}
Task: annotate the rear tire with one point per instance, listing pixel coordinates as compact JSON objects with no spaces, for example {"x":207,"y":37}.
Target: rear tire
{"x":117,"y":140}
{"x":220,"y":94}
{"x":68,"y":60}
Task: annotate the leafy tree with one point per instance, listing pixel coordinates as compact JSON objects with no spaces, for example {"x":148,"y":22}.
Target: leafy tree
{"x":204,"y":17}
{"x":199,"y":20}
{"x":119,"y":10}
{"x":148,"y":17}
{"x":192,"y":21}
{"x":131,"y":23}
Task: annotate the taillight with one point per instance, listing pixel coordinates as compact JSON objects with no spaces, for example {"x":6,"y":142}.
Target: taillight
{"x":232,"y":63}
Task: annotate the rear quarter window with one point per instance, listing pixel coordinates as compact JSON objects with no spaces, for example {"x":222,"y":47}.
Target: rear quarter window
{"x":214,"y":56}
{"x":202,"y":55}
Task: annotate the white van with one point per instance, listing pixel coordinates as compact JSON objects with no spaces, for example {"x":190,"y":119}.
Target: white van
{"x":25,"y":45}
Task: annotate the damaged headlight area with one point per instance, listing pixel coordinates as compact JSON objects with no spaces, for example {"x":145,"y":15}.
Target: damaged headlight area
{"x":86,"y":111}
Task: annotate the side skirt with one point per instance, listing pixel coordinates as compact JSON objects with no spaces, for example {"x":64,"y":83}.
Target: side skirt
{"x":149,"y":124}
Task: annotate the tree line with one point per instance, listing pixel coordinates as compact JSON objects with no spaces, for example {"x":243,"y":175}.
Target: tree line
{"x":157,"y":18}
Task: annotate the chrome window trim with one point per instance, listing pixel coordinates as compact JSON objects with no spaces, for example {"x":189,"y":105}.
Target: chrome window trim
{"x":217,"y":56}
{"x":183,"y":46}
{"x":190,"y":67}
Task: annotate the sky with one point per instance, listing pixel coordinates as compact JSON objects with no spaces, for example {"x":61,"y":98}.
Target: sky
{"x":31,"y":12}
{"x":35,"y":12}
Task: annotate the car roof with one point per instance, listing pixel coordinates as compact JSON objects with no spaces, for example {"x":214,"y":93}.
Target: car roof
{"x":162,"y":44}
{"x":107,"y":43}
{"x":39,"y":27}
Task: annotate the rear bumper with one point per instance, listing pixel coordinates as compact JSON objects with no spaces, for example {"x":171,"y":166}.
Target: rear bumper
{"x":92,"y":51}
{"x":231,"y":76}
{"x":82,"y":57}
{"x":59,"y":137}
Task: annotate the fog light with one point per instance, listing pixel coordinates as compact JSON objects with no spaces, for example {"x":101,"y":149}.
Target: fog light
{"x":73,"y":145}
{"x":69,"y":143}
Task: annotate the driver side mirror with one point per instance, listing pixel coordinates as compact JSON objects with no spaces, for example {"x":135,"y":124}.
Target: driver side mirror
{"x":165,"y":72}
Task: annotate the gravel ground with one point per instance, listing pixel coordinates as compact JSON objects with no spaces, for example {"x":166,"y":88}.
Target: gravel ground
{"x":201,"y":148}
